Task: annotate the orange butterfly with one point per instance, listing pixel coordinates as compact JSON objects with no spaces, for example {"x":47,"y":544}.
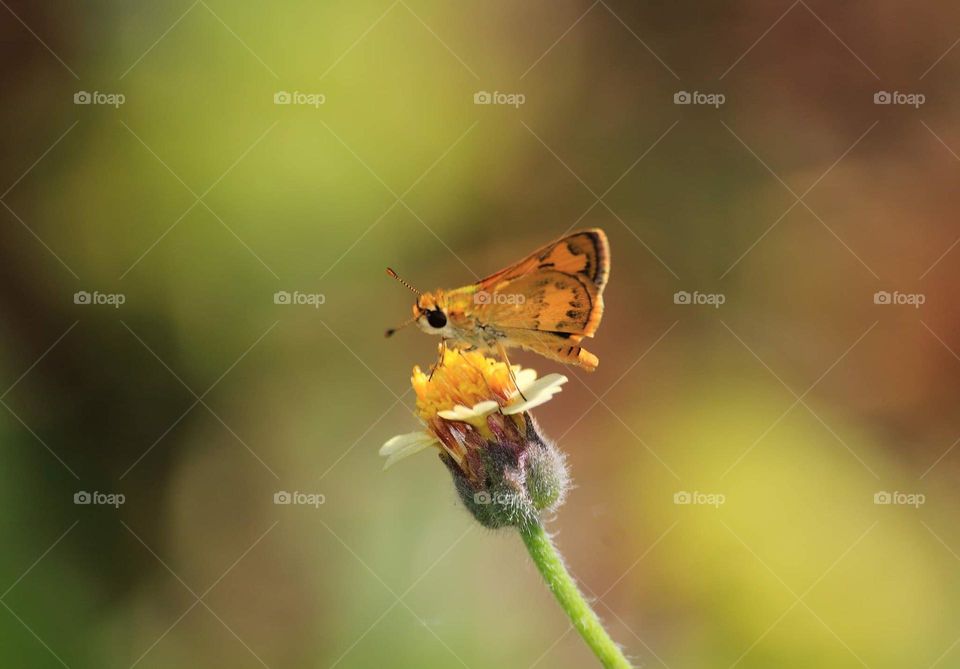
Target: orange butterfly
{"x":546,"y":303}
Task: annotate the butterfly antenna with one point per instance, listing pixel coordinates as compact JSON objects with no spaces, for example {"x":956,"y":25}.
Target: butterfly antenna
{"x":396,"y":276}
{"x":391,"y":273}
{"x":389,"y":333}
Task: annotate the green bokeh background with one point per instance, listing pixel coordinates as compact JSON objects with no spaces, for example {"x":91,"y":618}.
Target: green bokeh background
{"x":798,"y":399}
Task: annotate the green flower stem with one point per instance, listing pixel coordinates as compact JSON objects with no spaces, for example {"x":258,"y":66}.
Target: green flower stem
{"x":565,"y":589}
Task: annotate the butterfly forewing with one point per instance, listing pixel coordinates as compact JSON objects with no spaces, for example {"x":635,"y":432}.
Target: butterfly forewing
{"x":584,"y":253}
{"x":558,"y":288}
{"x":542,"y":300}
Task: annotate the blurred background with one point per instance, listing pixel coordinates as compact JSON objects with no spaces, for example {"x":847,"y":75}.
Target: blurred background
{"x":765,"y":459}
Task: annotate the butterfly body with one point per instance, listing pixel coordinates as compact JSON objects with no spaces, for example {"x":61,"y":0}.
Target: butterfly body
{"x":546,"y":303}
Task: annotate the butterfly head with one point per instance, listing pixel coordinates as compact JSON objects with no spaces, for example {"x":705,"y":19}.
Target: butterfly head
{"x":430,"y":313}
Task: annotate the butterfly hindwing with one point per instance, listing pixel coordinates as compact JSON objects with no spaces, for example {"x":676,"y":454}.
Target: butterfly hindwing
{"x":560,"y":346}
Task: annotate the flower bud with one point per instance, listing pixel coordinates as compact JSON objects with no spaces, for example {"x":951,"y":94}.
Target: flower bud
{"x":515,"y":476}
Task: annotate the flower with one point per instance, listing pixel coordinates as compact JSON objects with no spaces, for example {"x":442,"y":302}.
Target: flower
{"x":475,"y":411}
{"x":466,"y":388}
{"x":476,"y":415}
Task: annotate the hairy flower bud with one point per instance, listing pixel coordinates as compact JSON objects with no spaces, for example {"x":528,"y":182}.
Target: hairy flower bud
{"x":513,"y":477}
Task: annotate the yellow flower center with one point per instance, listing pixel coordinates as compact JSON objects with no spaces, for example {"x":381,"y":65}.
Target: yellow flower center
{"x":464,"y":378}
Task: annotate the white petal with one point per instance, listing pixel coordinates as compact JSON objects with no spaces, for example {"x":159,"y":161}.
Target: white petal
{"x":462,"y":413}
{"x":537,"y":393}
{"x":394,"y":444}
{"x":405,"y":445}
{"x":525,"y":378}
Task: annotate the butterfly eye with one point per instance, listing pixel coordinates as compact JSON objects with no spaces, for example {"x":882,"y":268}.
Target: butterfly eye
{"x":436,"y":318}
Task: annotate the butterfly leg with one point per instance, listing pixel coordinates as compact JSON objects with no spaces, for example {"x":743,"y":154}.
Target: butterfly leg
{"x":513,"y":377}
{"x":443,"y":350}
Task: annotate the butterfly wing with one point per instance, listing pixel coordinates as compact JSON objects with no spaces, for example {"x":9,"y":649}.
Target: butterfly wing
{"x":585,"y":253}
{"x":558,"y":288}
{"x":560,"y":346}
{"x":551,"y":299}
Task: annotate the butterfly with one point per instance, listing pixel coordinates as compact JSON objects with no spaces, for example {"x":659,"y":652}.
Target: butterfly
{"x":546,"y":303}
